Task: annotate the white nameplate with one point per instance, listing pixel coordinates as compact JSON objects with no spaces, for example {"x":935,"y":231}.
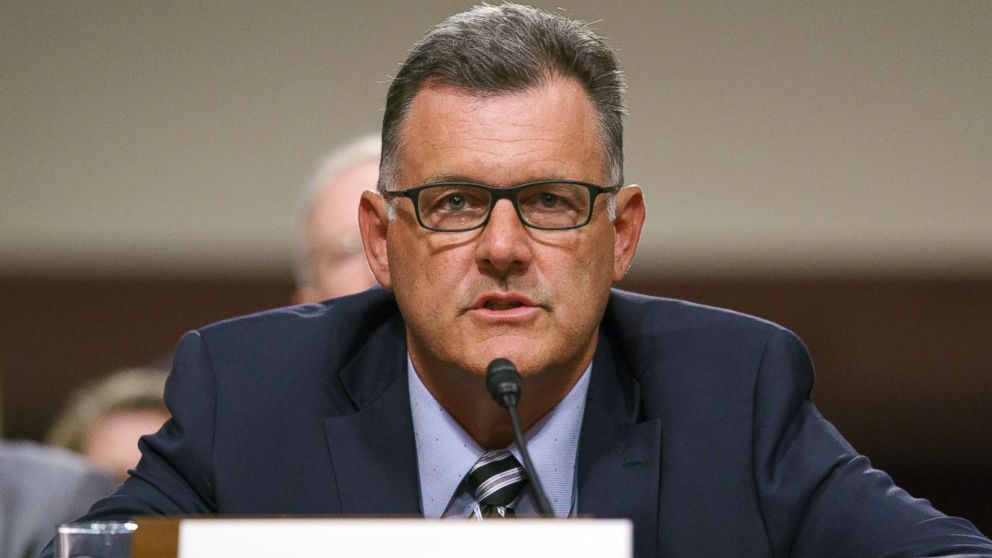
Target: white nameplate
{"x":408,"y":538}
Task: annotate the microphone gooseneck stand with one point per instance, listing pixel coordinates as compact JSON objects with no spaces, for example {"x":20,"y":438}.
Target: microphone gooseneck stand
{"x":504,"y":385}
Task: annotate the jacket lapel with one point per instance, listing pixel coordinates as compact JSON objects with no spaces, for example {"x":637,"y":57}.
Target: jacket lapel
{"x":619,"y":458}
{"x":372,"y":450}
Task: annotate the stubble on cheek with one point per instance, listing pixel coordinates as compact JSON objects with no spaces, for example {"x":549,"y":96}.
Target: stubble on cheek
{"x":429,"y":301}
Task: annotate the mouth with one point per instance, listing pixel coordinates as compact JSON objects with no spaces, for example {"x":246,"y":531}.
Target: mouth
{"x":504,"y":305}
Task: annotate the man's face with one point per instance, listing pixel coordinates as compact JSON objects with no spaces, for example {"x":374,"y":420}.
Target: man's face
{"x":533,"y":296}
{"x":334,"y":249}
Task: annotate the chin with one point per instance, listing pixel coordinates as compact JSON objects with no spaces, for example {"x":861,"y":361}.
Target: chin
{"x":527,"y":360}
{"x":482,"y":354}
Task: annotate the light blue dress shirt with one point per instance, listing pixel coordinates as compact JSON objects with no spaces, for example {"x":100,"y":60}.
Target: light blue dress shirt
{"x":445,"y":453}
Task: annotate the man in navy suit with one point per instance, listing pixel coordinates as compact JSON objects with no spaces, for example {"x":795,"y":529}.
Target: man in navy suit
{"x":500,"y":225}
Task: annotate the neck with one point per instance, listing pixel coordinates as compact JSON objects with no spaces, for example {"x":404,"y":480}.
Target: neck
{"x":465,"y":397}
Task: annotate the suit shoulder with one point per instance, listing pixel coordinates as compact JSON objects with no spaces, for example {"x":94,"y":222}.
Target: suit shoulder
{"x":297,"y":352}
{"x":368,"y":309}
{"x":679,"y":351}
{"x":658,"y":314}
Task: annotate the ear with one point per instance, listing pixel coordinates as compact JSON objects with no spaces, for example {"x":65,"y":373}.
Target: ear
{"x":373,"y":222}
{"x":627,"y":226}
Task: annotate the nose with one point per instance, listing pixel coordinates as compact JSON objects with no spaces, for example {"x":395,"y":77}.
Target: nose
{"x":504,"y":247}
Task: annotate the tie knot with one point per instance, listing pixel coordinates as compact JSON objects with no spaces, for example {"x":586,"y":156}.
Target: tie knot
{"x":497,"y":479}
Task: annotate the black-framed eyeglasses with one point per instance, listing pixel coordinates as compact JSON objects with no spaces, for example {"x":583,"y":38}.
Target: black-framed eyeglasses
{"x":551,"y":205}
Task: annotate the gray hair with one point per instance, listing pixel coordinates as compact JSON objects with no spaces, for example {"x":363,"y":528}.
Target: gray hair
{"x":334,"y":164}
{"x":502,"y":49}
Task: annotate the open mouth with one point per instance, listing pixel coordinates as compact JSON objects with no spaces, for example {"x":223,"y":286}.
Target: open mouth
{"x":503,"y":302}
{"x":493,"y":304}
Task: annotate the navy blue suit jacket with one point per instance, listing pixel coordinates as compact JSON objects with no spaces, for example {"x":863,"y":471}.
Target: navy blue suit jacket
{"x":698,"y":427}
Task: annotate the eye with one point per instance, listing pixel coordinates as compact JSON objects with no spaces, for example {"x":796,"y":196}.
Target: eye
{"x":455,"y":202}
{"x":549,"y":200}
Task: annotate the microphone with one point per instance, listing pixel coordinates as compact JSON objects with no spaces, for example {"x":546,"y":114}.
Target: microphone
{"x":503,"y":382}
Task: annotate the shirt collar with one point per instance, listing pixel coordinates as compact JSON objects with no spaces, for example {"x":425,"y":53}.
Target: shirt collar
{"x":445,"y":452}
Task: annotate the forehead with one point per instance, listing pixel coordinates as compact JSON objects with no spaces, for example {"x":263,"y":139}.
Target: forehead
{"x":551,"y":131}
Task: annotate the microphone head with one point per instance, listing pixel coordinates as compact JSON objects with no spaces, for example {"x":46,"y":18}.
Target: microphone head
{"x":503,"y":382}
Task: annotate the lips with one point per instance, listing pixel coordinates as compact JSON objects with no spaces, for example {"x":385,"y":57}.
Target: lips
{"x":498,"y":302}
{"x":501,"y":308}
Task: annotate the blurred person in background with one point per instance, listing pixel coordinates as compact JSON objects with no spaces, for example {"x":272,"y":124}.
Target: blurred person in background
{"x":40,"y":488}
{"x":328,"y":257}
{"x":104,"y":420}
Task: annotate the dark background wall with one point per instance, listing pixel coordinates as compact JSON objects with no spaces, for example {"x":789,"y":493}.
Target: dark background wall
{"x":904,"y":365}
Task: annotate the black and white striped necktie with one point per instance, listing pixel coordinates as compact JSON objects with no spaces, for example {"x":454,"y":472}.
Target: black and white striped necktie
{"x":497,"y":479}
